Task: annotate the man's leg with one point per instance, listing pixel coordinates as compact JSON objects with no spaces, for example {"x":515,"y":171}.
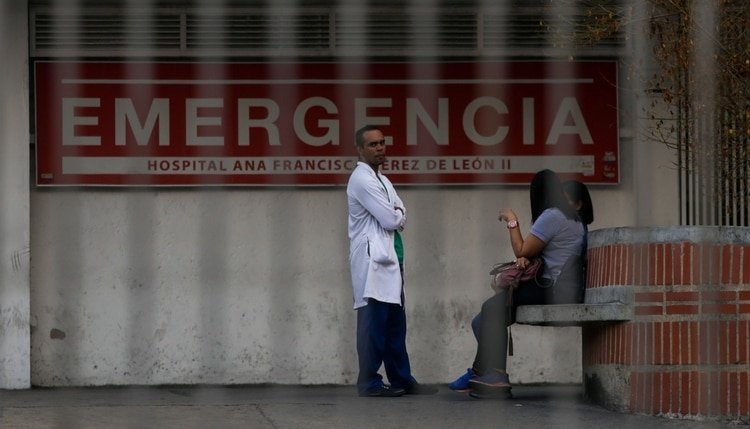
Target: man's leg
{"x":396,"y":358}
{"x":371,"y":321}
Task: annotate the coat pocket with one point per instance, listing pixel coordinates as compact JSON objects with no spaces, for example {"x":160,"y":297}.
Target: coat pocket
{"x":381,"y":250}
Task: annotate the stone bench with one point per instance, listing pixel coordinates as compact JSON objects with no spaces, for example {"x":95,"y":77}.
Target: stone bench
{"x":606,"y":304}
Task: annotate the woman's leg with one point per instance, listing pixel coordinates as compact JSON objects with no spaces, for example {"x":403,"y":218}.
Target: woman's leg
{"x":530,"y":293}
{"x":490,"y":325}
{"x":493,"y":335}
{"x":489,"y":366}
{"x":476,"y":326}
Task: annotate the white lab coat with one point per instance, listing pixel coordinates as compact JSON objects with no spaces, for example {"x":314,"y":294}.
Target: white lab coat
{"x":372,"y":222}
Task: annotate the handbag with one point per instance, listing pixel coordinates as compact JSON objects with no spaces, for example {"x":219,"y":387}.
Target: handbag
{"x":508,"y":275}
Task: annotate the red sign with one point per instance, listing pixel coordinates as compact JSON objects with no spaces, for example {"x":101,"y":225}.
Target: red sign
{"x":137,"y":123}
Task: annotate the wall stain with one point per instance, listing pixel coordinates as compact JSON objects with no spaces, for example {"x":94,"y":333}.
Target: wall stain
{"x":18,"y":257}
{"x":56,"y":334}
{"x":14,"y":317}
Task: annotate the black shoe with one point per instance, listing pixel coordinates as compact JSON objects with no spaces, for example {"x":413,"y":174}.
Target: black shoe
{"x":421,"y":389}
{"x":491,"y":393}
{"x":384,"y":391}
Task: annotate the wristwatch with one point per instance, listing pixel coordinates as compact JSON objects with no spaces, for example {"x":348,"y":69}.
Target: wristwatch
{"x":512,"y":224}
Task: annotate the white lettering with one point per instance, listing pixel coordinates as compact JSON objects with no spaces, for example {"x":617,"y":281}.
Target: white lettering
{"x":70,"y":121}
{"x":415,"y":111}
{"x":569,"y":106}
{"x":331,"y":125}
{"x":315,"y":121}
{"x":470,"y":114}
{"x":244,"y":123}
{"x":125,"y":112}
{"x":193,"y":121}
{"x":361,"y":105}
{"x":528,"y":120}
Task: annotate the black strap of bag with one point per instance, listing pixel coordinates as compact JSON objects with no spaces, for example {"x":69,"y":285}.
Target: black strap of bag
{"x":510,"y":321}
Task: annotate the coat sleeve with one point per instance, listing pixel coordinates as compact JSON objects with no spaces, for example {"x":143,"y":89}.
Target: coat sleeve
{"x":396,"y":199}
{"x":373,"y":197}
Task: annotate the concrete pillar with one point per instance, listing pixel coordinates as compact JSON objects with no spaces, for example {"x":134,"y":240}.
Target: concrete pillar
{"x":15,"y":351}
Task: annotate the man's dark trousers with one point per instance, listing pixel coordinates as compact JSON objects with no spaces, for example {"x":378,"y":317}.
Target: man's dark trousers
{"x":381,"y":338}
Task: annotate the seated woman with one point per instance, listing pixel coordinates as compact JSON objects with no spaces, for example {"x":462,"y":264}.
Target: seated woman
{"x":556,"y":236}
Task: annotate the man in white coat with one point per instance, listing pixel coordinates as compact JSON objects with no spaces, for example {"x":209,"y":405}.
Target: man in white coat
{"x":376,"y":217}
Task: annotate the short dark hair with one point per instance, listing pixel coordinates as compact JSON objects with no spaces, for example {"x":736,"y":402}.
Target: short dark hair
{"x":359,"y":136}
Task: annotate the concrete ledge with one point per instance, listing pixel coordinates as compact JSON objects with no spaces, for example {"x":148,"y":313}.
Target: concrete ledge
{"x":602,"y":304}
{"x":573,"y":314}
{"x":668,"y":234}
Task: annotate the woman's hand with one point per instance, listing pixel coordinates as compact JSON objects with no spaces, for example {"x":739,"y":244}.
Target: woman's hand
{"x":507,"y":215}
{"x":522,"y":262}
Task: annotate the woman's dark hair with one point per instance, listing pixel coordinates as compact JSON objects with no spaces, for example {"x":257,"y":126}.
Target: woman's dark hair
{"x":578,"y":192}
{"x":546,"y":191}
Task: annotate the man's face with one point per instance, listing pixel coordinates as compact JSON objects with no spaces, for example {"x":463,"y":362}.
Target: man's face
{"x":373,"y":151}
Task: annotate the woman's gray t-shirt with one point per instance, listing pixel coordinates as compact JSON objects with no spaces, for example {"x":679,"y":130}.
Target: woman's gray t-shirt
{"x":562,"y":237}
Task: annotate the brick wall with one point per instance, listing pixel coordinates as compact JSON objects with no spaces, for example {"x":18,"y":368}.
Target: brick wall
{"x":687,"y":351}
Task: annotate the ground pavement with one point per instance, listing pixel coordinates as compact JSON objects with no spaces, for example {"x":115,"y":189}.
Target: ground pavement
{"x":310,"y":407}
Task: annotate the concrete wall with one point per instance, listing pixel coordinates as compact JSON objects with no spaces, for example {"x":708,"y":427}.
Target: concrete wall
{"x":14,"y":196}
{"x":152,"y":286}
{"x":252,"y":285}
{"x":247,"y":285}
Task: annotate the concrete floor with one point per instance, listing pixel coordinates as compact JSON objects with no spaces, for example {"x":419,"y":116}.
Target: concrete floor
{"x":327,"y":407}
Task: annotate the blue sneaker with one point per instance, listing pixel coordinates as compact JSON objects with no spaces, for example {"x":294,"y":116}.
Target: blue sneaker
{"x":493,"y":384}
{"x":461,"y":384}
